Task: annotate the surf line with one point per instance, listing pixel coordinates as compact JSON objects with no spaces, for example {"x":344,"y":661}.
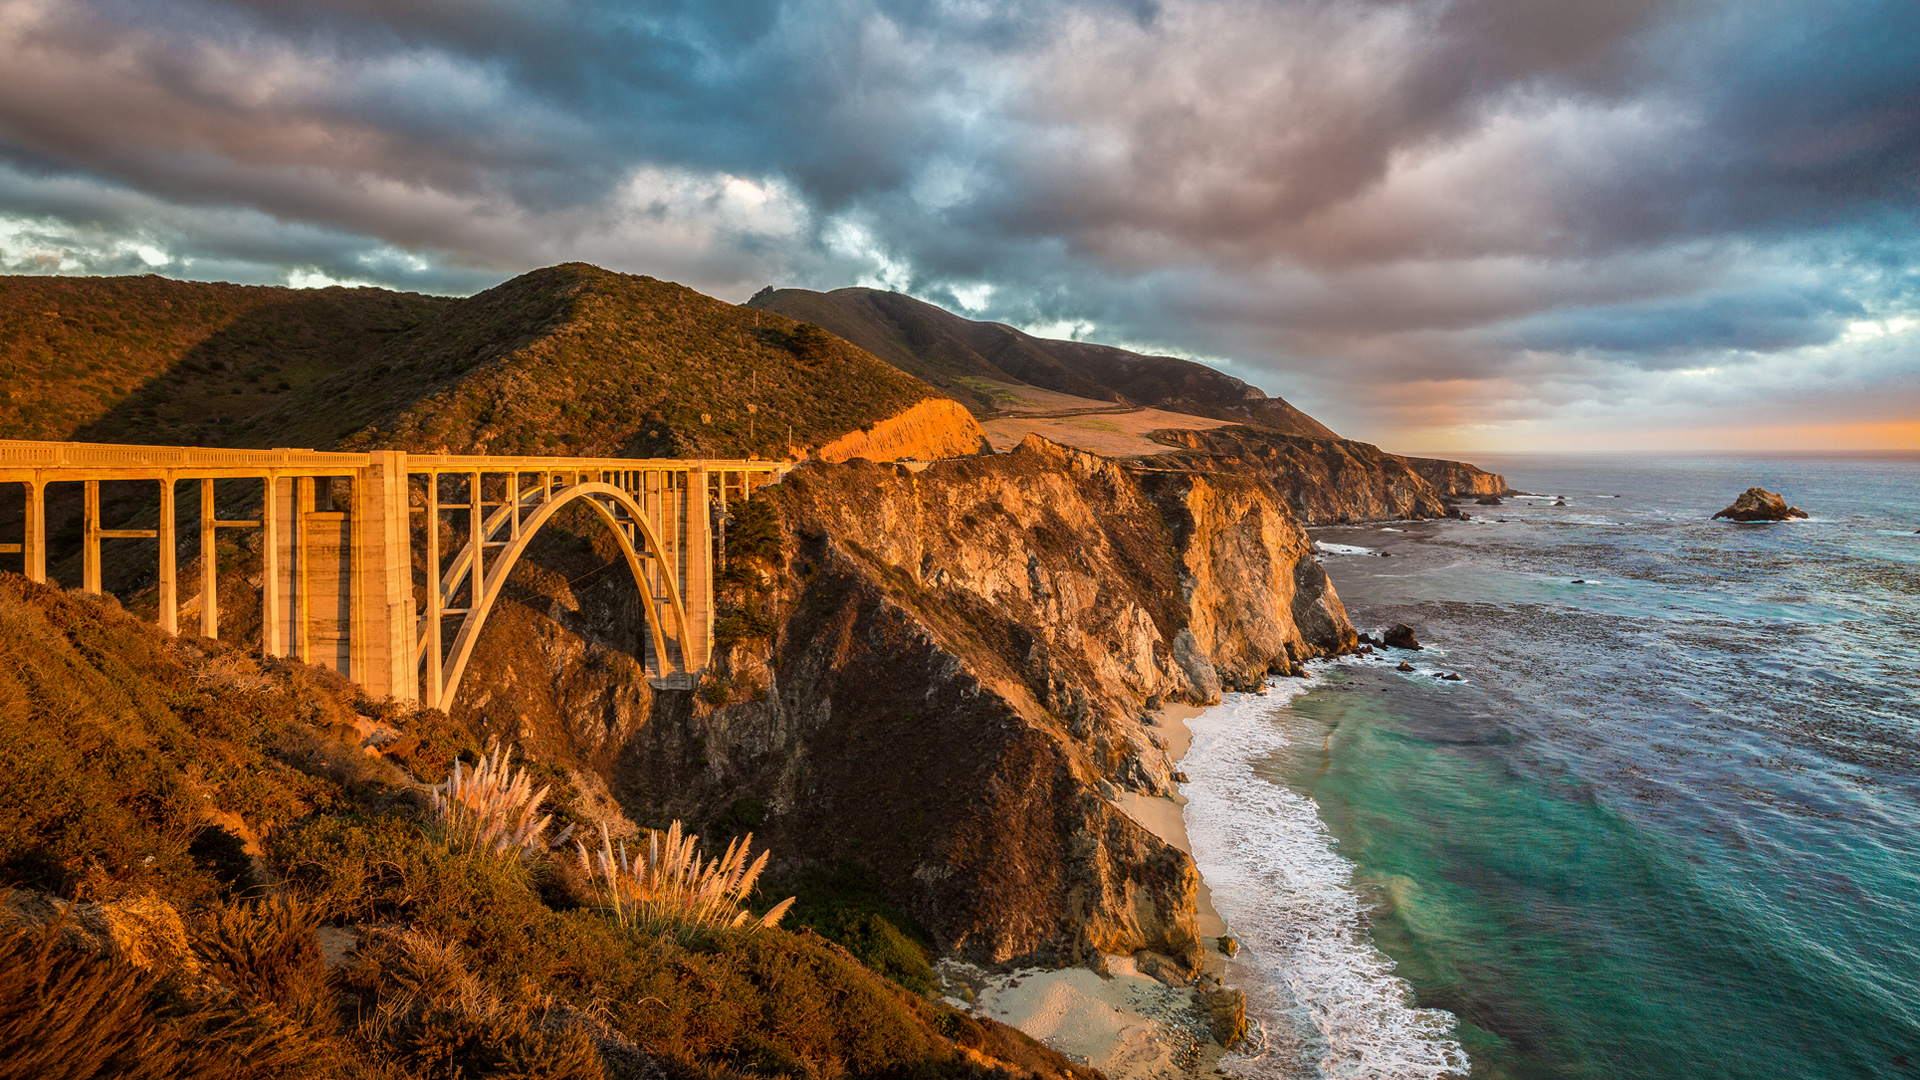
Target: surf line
{"x":1328,"y":998}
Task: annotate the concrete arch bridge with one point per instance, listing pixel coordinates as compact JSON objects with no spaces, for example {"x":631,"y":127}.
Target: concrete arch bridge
{"x":384,"y":565}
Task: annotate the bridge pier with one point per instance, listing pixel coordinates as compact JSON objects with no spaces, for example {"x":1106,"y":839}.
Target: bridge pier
{"x":169,"y":552}
{"x":383,"y":608}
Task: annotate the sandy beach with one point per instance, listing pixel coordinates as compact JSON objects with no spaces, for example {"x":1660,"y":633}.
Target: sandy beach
{"x":1121,"y":1021}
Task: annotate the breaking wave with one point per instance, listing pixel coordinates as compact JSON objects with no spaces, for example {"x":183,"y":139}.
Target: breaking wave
{"x":1328,"y":1000}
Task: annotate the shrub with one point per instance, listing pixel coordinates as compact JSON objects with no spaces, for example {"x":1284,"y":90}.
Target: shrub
{"x":66,"y":1012}
{"x":491,"y":807}
{"x":844,"y":905}
{"x":668,"y":884}
{"x":269,"y":949}
{"x":422,"y":1008}
{"x":364,"y":866}
{"x":753,"y":535}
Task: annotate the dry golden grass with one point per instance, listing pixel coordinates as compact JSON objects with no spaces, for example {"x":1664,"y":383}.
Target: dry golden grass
{"x":667,"y":883}
{"x":491,"y":807}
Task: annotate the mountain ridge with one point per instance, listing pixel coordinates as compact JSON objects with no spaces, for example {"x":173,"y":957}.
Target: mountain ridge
{"x":947,"y":350}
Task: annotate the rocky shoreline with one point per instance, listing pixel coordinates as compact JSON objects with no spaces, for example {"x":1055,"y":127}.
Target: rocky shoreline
{"x":1133,"y":1017}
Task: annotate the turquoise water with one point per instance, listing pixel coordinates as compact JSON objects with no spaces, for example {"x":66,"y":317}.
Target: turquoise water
{"x":1667,"y":825}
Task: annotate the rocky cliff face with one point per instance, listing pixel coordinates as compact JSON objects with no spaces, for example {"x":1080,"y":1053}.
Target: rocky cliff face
{"x":1323,"y":481}
{"x":1457,"y":479}
{"x":942,"y":677}
{"x":926,"y":431}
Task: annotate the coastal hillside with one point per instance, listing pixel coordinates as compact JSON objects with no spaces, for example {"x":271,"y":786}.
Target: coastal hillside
{"x":222,"y":867}
{"x":569,"y":359}
{"x":966,"y":358}
{"x":1123,"y":404}
{"x":1329,"y":481}
{"x":573,"y":359}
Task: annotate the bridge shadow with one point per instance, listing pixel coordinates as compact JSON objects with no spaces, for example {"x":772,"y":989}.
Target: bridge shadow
{"x":221,"y":389}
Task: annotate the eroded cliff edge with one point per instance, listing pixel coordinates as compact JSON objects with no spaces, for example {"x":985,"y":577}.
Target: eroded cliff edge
{"x":942,"y":677}
{"x":1330,"y":481}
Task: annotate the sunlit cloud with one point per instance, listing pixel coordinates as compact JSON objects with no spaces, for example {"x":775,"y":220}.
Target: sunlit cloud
{"x":1464,"y":223}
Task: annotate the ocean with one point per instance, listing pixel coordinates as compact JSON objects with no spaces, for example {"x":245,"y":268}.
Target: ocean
{"x":1665,"y":825}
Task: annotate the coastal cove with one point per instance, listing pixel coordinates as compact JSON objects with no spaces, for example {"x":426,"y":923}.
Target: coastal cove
{"x":1663,"y":826}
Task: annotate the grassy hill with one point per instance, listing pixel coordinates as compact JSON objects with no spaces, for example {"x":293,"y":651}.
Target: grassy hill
{"x":148,"y":359}
{"x":955,"y":353}
{"x":569,"y":359}
{"x":573,"y":359}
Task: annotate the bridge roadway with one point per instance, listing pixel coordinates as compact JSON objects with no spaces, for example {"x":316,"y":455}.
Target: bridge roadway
{"x":365,"y":557}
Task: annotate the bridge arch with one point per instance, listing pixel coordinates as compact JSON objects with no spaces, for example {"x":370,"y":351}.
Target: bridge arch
{"x":618,"y":510}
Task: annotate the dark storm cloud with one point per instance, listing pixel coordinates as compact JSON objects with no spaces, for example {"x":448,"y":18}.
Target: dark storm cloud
{"x":1523,"y":202}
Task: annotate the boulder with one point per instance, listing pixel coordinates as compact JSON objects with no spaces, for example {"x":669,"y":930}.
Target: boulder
{"x":1400,"y":636}
{"x":1226,"y":1010}
{"x":1488,"y":500}
{"x":1759,"y":504}
{"x":1163,"y":968}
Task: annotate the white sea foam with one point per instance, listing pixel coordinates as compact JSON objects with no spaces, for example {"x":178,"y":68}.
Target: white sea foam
{"x":1329,"y":1000}
{"x":1326,"y":548}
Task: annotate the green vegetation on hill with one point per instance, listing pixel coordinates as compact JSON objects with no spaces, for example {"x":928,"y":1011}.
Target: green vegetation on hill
{"x":152,"y":360}
{"x":164,"y":788}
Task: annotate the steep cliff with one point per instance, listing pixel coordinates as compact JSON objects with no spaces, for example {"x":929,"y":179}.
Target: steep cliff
{"x":1324,"y":482}
{"x":1457,"y":479}
{"x":943,"y":678}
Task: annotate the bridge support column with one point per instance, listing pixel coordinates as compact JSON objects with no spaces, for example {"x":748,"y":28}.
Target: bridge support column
{"x":34,"y":550}
{"x":434,"y":656}
{"x":209,"y":566}
{"x":272,"y":618}
{"x":698,"y":642}
{"x":384,"y":633}
{"x":90,"y":540}
{"x":169,"y":590}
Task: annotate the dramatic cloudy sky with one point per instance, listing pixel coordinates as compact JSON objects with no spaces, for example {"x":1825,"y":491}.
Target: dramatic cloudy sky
{"x":1442,"y":224}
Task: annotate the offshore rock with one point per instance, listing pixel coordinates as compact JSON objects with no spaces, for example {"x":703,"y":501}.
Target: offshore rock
{"x":1759,"y":504}
{"x":1400,"y":636}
